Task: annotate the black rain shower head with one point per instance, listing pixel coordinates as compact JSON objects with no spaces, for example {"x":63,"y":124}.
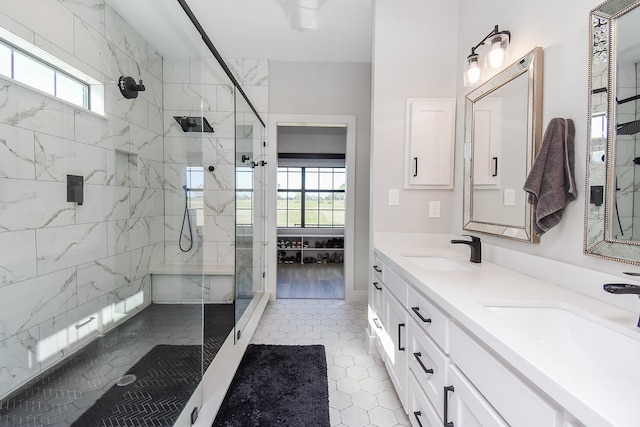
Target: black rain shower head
{"x":629,"y":128}
{"x":129,"y":88}
{"x":193,"y":124}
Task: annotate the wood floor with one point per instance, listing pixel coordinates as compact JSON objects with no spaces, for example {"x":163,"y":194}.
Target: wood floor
{"x":317,"y":281}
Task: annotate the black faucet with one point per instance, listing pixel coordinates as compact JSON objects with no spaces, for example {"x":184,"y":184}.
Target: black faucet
{"x":622,"y":288}
{"x":474,"y":245}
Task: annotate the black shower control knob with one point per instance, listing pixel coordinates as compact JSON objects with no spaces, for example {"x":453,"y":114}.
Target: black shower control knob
{"x":211,"y":168}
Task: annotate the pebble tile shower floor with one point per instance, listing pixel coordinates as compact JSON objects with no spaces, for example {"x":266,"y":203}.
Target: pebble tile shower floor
{"x":360,"y":391}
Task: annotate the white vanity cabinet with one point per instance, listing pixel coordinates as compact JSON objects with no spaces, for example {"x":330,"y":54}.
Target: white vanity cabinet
{"x":375,"y":311}
{"x":444,"y":375}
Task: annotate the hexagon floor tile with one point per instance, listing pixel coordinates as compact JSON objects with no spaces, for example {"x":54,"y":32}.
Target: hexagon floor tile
{"x":360,"y":391}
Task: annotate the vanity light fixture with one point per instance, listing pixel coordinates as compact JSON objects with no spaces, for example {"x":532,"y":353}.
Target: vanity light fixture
{"x":496,"y":54}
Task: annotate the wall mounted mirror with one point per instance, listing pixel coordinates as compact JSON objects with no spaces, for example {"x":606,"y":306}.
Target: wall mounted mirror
{"x":502,"y":137}
{"x":612,"y":223}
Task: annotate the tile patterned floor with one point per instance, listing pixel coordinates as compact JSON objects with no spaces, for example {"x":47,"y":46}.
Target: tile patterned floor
{"x":360,"y":391}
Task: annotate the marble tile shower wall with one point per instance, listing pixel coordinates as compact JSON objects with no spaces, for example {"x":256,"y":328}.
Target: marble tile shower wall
{"x":62,"y":264}
{"x":193,"y":88}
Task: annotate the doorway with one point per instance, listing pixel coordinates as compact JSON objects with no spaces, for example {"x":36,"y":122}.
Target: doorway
{"x":311,"y":206}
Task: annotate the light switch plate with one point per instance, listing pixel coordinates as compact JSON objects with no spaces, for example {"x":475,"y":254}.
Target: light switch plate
{"x":434,"y":209}
{"x":509,"y":197}
{"x":394,"y":197}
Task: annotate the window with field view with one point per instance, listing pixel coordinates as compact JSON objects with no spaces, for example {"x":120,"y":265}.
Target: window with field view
{"x":311,"y":197}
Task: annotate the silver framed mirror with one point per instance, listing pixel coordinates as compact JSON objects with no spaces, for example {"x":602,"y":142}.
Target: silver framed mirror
{"x":612,"y":230}
{"x":502,"y":136}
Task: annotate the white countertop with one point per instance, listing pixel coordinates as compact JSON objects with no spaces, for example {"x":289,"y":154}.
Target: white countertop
{"x":596,"y":394}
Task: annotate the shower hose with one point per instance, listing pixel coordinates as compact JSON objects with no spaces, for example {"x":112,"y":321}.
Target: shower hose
{"x":186,"y":219}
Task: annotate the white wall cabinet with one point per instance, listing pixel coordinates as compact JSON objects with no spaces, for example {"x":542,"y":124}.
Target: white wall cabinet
{"x":444,"y":375}
{"x":429,"y":143}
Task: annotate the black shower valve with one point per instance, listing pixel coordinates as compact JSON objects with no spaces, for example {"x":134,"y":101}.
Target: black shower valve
{"x":129,"y":88}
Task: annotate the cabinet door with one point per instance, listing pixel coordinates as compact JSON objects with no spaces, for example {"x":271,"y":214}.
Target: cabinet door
{"x":429,"y":144}
{"x":396,"y":347}
{"x":465,"y":406}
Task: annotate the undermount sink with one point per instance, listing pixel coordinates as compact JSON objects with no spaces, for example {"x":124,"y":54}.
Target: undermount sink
{"x":583,"y":342}
{"x":437,"y":263}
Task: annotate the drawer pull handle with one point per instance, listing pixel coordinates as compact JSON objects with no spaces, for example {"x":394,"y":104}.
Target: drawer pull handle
{"x":379,"y":270}
{"x":417,"y":414}
{"x":416,"y":310}
{"x":424,"y":368}
{"x":375,"y":321}
{"x":400,"y":326}
{"x":375,"y":285}
{"x":447,"y":423}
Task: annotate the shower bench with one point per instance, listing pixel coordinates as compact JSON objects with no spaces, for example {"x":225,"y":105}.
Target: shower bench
{"x":185,"y":283}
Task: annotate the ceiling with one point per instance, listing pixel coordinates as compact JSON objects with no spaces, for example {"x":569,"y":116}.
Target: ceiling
{"x":282,"y":30}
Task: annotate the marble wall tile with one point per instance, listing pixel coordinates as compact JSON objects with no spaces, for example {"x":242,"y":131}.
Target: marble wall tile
{"x":130,"y":299}
{"x":225,"y":203}
{"x":127,"y":235}
{"x":57,"y":157}
{"x":146,"y":143}
{"x":27,"y":109}
{"x":207,"y":71}
{"x":223,"y":123}
{"x":59,"y":336}
{"x":225,"y":99}
{"x":32,"y":204}
{"x":226,"y":253}
{"x":174,"y":179}
{"x":151,"y":173}
{"x":108,"y":132}
{"x":154,"y":62}
{"x":184,"y":149}
{"x":142,"y":259}
{"x":225,"y":151}
{"x":188,"y":97}
{"x":103,"y":276}
{"x":259,"y":96}
{"x":67,"y":246}
{"x":223,"y":178}
{"x":176,"y":71}
{"x":19,"y":363}
{"x":156,"y":119}
{"x":219,"y":228}
{"x":146,"y":202}
{"x":173,"y":254}
{"x":153,"y":92}
{"x":28,"y":303}
{"x":90,"y":45}
{"x":89,"y":11}
{"x":132,"y":110}
{"x":18,"y":255}
{"x":156,"y":229}
{"x":237,"y":69}
{"x":255,"y":72}
{"x":120,"y":33}
{"x":16,"y":28}
{"x":16,"y":153}
{"x":59,"y":30}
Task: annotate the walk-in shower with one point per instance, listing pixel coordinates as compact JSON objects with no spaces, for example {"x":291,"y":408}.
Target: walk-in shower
{"x":104,"y":300}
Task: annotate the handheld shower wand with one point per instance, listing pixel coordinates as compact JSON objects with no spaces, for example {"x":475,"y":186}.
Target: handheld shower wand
{"x":186,"y":219}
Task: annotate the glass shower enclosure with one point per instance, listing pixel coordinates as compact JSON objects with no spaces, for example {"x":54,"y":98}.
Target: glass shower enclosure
{"x":134,"y":288}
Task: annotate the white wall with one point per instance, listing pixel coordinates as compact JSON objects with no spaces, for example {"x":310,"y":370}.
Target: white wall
{"x":562,"y":30}
{"x":322,"y":88}
{"x":413,"y":57}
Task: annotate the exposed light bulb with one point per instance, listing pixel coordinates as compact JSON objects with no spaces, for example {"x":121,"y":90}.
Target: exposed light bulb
{"x":496,"y":55}
{"x":473,"y":73}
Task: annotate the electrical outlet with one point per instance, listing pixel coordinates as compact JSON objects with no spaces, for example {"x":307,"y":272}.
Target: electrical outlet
{"x":394,"y":197}
{"x":434,"y":209}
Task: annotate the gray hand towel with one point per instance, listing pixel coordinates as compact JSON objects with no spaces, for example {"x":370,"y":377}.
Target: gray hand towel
{"x":551,"y":184}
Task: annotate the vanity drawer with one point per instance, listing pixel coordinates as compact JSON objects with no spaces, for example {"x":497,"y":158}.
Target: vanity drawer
{"x":420,"y":410}
{"x":378,"y":269}
{"x":396,"y":285}
{"x":430,"y":319}
{"x":425,"y":356}
{"x":516,"y":401}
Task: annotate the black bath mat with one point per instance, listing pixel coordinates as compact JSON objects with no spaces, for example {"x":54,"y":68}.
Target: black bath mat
{"x":278,"y":385}
{"x":165,"y":380}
